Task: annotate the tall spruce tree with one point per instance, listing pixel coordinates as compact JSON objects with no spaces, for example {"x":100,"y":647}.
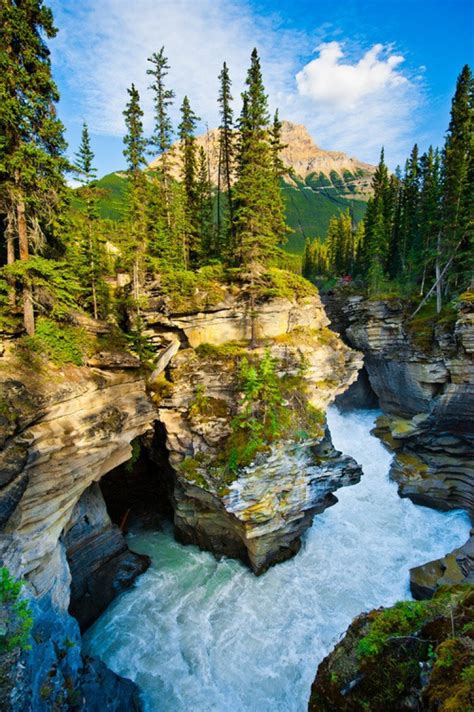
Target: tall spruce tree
{"x":455,"y":239}
{"x":409,"y":223}
{"x":204,"y":205}
{"x":90,"y":247}
{"x":280,"y":227}
{"x":373,"y":255}
{"x":134,"y":152}
{"x":226,"y":162}
{"x":429,"y":215}
{"x":255,"y":190}
{"x":161,"y":139}
{"x":188,"y":147}
{"x":31,"y":135}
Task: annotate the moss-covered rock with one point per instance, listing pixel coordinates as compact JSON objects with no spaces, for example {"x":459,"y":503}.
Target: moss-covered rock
{"x":413,"y":656}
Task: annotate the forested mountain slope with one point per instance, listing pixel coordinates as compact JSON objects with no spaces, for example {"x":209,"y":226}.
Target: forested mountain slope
{"x":318,"y":184}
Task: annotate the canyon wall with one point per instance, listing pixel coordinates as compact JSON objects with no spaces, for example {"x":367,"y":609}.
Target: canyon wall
{"x":422,"y":371}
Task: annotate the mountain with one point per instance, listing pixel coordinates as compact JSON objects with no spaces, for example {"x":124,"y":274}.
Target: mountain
{"x":318,"y":184}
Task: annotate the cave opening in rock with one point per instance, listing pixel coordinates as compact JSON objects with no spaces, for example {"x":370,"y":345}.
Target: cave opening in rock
{"x":359,"y":395}
{"x":137,"y":493}
{"x":134,"y":495}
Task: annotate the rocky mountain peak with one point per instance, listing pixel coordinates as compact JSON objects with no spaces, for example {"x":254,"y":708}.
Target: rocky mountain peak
{"x":301,"y":154}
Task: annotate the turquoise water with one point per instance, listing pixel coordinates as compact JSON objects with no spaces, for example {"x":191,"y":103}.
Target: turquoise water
{"x":205,"y":635}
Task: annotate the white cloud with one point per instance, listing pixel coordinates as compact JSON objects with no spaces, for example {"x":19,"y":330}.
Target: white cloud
{"x":341,"y":85}
{"x":358,"y":107}
{"x":103,"y":47}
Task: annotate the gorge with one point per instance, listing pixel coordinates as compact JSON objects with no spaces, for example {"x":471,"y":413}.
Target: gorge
{"x":236,"y":374}
{"x":64,"y":435}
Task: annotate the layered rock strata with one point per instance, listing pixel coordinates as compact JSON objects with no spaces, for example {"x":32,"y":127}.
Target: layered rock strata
{"x":423,"y":374}
{"x":256,"y":512}
{"x":61,"y":431}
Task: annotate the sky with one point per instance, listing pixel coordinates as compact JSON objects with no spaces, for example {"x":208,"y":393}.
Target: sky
{"x":359,"y":74}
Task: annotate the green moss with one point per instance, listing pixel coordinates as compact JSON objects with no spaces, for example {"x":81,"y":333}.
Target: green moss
{"x":231,"y":350}
{"x":205,"y":407}
{"x":403,"y":619}
{"x":467,"y":296}
{"x":59,"y":343}
{"x":191,"y":468}
{"x":161,"y":389}
{"x":422,"y":328}
{"x":386,"y":650}
{"x":278,"y":283}
{"x":188,"y":291}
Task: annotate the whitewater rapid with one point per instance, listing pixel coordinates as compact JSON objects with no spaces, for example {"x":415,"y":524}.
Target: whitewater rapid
{"x":196,"y":633}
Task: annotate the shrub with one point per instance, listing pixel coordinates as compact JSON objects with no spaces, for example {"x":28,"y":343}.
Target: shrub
{"x":15,"y":630}
{"x":60,"y":343}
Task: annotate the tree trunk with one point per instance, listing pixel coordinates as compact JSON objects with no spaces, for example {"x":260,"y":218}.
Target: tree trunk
{"x":438,"y":275}
{"x":10,"y":261}
{"x":218,"y":241}
{"x":28,"y":314}
{"x":93,"y":276}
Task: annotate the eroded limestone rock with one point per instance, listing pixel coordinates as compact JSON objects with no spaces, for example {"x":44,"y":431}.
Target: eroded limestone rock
{"x":256,"y":512}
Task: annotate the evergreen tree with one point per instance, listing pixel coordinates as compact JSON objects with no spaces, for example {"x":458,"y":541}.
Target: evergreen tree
{"x":134,"y":152}
{"x":161,"y":140}
{"x":280,"y":227}
{"x":455,"y":241}
{"x":226,"y":161}
{"x":373,"y":256}
{"x":31,"y":135}
{"x":90,"y":246}
{"x":409,"y":224}
{"x":204,"y":204}
{"x":429,"y":215}
{"x":255,"y":190}
{"x":186,"y":130}
{"x":395,"y":267}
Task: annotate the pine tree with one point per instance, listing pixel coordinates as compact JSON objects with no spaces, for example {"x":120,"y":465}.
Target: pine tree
{"x":409,"y":224}
{"x":429,"y":215}
{"x":161,"y":139}
{"x":204,"y":204}
{"x":31,"y":135}
{"x":455,"y":238}
{"x":90,"y":246}
{"x":226,"y":162}
{"x":255,"y":190}
{"x":134,"y":152}
{"x":280,"y":227}
{"x":374,"y":255}
{"x":187,"y":138}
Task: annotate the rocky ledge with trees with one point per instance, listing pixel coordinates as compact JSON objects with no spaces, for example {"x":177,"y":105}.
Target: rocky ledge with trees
{"x":178,"y":323}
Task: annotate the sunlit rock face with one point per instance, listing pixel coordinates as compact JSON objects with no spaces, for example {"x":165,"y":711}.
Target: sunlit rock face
{"x":259,"y":512}
{"x":60,"y":432}
{"x":63,"y":434}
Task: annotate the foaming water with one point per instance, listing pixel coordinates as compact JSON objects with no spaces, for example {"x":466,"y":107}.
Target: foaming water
{"x":207,"y":635}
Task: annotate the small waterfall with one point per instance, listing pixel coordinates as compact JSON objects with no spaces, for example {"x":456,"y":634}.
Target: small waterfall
{"x":207,"y":635}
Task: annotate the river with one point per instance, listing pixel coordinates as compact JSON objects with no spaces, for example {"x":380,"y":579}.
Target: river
{"x":205,"y":635}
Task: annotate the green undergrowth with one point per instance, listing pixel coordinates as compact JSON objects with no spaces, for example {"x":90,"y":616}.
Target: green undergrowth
{"x":423,"y":327}
{"x":276,"y":283}
{"x":188,"y":291}
{"x":16,"y":620}
{"x":230,"y":350}
{"x":271,"y":408}
{"x":57,"y":342}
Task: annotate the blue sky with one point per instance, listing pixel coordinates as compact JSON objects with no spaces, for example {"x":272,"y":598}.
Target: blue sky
{"x":357,"y":73}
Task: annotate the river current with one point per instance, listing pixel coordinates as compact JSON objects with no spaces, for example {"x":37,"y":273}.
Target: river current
{"x":205,"y":635}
